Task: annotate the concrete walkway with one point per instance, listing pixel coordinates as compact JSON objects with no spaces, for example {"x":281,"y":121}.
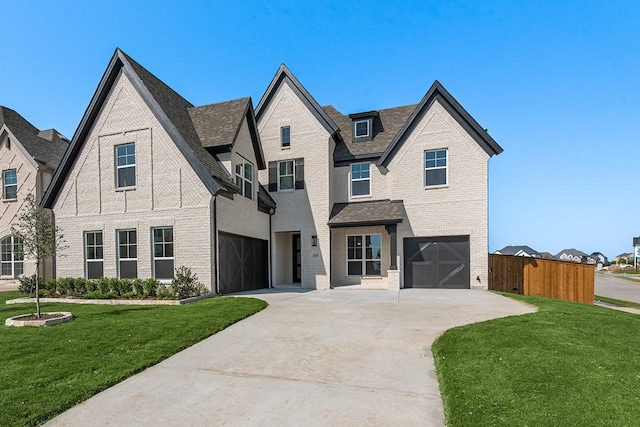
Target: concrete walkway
{"x":321,"y":358}
{"x":607,"y":285}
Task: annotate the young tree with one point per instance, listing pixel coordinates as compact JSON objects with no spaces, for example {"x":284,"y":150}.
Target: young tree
{"x":40,"y":238}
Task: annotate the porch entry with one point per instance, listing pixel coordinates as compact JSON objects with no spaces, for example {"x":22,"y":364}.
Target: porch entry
{"x":287,"y":258}
{"x":297,"y":258}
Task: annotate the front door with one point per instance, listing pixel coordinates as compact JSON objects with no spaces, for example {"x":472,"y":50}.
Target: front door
{"x":297,"y":258}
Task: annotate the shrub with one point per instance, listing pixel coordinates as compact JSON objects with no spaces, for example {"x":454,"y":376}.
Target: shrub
{"x":185,"y":283}
{"x":151,"y":287}
{"x":28,"y":286}
{"x":65,"y":285}
{"x":92,"y":285}
{"x":52,"y":287}
{"x":164,"y":292}
{"x":138,"y":287}
{"x":79,"y":286}
{"x":124,"y":286}
{"x":104,"y":285}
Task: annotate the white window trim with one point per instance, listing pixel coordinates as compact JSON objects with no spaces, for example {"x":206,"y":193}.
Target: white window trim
{"x":241,"y":161}
{"x":128,"y":244}
{"x":355,"y":129}
{"x":352,"y":180}
{"x":293,"y":175}
{"x":134,"y":166}
{"x":5,"y":185}
{"x":86,"y":254}
{"x":153,"y":253}
{"x":13,"y":260}
{"x":282,"y":146}
{"x":425,"y":169}
{"x":364,"y":259}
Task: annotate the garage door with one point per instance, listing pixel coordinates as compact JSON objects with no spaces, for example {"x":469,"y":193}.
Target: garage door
{"x":436,"y":262}
{"x":243,"y":263}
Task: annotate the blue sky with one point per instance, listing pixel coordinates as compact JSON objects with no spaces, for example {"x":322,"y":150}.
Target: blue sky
{"x":557,"y":84}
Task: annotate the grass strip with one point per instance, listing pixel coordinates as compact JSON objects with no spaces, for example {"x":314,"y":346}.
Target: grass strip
{"x":568,"y":364}
{"x":618,"y":302}
{"x":44,"y":371}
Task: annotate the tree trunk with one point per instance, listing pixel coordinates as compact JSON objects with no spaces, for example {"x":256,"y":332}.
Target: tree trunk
{"x":38,"y":314}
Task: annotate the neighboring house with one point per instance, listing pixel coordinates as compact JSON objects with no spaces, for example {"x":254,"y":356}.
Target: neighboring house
{"x":150,"y":183}
{"x":575,"y":255}
{"x":519,"y":251}
{"x":599,"y":258}
{"x":626,"y":257}
{"x":28,"y":160}
{"x":547,"y":255}
{"x":389,"y":198}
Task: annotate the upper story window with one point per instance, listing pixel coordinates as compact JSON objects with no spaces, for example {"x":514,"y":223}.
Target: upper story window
{"x":435,"y":165}
{"x":244,"y":176}
{"x":286,"y":175}
{"x":10,"y":179}
{"x":126,"y":165}
{"x":285,"y":136}
{"x":362,"y":128}
{"x":361,"y":179}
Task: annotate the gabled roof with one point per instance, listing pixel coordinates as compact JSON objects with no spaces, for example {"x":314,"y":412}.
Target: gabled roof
{"x":170,"y":109}
{"x":572,"y":252}
{"x":218,"y":125}
{"x":438,"y":92}
{"x":45,"y":147}
{"x":285,"y":75}
{"x":519,"y":250}
{"x":374,"y":212}
{"x":385,"y":127}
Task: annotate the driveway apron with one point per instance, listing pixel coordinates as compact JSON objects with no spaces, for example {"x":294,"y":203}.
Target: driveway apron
{"x":319,"y":358}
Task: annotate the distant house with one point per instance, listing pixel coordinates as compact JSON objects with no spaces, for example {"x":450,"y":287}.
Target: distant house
{"x":519,"y":251}
{"x":625,"y":257}
{"x":28,"y":159}
{"x":575,"y":255}
{"x":547,"y":255}
{"x":599,"y":257}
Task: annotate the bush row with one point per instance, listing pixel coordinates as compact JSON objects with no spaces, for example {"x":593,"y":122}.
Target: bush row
{"x":185,"y":284}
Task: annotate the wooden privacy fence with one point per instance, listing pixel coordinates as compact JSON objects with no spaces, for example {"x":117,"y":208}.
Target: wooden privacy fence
{"x":542,"y":277}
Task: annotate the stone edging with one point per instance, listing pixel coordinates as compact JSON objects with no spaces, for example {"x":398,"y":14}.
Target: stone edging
{"x":113,"y":301}
{"x":15,"y":321}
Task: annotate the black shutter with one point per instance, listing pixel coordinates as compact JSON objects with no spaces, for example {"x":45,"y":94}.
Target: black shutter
{"x":299,"y":173}
{"x":273,"y":177}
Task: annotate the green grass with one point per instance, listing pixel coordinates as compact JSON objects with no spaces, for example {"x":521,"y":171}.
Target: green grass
{"x":44,"y":371}
{"x":619,"y":302}
{"x":566,"y":365}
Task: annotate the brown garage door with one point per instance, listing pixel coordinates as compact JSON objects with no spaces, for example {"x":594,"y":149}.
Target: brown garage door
{"x":243,"y":263}
{"x":437,"y":262}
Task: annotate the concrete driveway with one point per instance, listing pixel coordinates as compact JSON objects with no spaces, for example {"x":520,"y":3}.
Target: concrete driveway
{"x":610,"y":286}
{"x":321,"y":358}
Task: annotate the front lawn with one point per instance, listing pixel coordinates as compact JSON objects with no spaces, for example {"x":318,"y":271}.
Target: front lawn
{"x":44,"y":371}
{"x":569,"y":364}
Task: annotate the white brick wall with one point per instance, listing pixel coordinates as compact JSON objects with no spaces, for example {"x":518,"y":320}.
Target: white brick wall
{"x":305,"y":211}
{"x":458,"y":209}
{"x":167,"y":193}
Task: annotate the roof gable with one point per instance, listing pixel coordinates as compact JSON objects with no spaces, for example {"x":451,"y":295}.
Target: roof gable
{"x":46,"y":148}
{"x":169,"y":108}
{"x":285,"y":75}
{"x":218,"y":126}
{"x":468,"y":123}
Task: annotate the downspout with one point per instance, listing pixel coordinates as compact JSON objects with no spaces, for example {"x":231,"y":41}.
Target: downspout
{"x":215,"y":245}
{"x":271,"y":212}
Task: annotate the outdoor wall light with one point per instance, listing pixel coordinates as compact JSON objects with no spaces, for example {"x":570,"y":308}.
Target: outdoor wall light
{"x":314,"y":240}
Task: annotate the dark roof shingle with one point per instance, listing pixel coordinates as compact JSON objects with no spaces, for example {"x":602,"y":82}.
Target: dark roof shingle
{"x":375,"y":212}
{"x":218,"y":124}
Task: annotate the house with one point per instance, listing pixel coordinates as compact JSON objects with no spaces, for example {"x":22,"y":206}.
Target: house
{"x":600,"y":258}
{"x":625,"y":258}
{"x":384,"y":198}
{"x":574,"y":255}
{"x":519,"y":251}
{"x":28,"y":160}
{"x":150,"y":183}
{"x":547,"y":255}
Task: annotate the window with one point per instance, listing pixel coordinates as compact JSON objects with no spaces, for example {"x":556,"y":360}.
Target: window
{"x":362,"y":128}
{"x":361,"y":179}
{"x":435,"y":165}
{"x":126,"y":165}
{"x":163,"y":253}
{"x":244,"y":176}
{"x":363,"y":255}
{"x":286,"y":175}
{"x":93,"y":252}
{"x":127,"y":254}
{"x":12,"y":256}
{"x":285,"y":136}
{"x":10,"y":178}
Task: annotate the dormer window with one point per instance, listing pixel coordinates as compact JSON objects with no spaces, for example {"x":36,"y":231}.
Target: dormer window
{"x":362,"y":125}
{"x":362,"y":128}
